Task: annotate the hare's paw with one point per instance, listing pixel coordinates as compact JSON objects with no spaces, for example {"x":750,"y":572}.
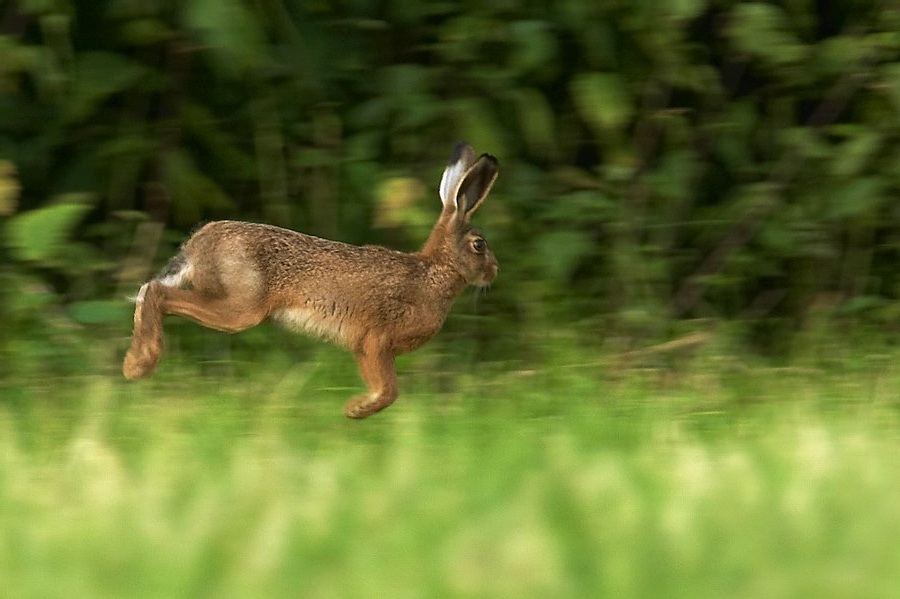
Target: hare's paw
{"x":363,"y":406}
{"x":140,"y":361}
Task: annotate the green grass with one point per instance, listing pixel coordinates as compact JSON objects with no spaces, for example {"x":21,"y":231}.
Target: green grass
{"x":576,"y":480}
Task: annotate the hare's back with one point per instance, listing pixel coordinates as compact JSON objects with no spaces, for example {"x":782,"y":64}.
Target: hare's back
{"x":263,"y":246}
{"x":287,"y":261}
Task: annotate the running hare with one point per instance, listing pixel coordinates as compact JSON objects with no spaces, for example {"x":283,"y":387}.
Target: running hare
{"x":373,"y":301}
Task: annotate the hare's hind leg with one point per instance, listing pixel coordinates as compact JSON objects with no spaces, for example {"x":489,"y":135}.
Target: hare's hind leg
{"x":231,"y":314}
{"x":146,"y":339}
{"x":376,"y":366}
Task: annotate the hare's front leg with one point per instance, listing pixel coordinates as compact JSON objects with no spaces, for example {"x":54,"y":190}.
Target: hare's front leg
{"x":376,"y":366}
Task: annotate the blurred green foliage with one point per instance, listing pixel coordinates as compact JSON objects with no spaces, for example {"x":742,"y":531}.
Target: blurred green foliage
{"x":664,"y":165}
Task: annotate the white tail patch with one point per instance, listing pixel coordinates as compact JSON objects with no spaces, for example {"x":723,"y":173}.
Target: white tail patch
{"x":177,"y":279}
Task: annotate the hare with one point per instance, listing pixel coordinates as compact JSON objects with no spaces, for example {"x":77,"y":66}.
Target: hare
{"x":373,"y":301}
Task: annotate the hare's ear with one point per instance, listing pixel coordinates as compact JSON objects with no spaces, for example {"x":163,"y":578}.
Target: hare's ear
{"x":462,"y":158}
{"x":476,"y":185}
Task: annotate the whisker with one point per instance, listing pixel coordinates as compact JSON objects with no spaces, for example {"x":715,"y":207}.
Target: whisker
{"x":477,"y":292}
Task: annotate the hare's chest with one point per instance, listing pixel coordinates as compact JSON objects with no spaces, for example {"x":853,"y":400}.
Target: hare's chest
{"x":415,"y":332}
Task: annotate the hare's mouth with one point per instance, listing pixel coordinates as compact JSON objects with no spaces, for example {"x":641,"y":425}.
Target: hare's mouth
{"x":488,"y":277}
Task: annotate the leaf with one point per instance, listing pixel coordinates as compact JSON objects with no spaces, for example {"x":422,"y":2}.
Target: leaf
{"x":17,"y":58}
{"x":836,"y":55}
{"x":219,"y":142}
{"x":99,"y":75}
{"x":859,"y":197}
{"x":9,"y":188}
{"x":602,"y":100}
{"x":460,"y":37}
{"x":232,"y":31}
{"x":685,"y":9}
{"x":40,"y":235}
{"x":145,"y":31}
{"x":805,"y":142}
{"x":399,"y":204}
{"x":533,"y":46}
{"x":584,"y":208}
{"x":192,"y":191}
{"x":890,"y":75}
{"x":24,"y":293}
{"x":560,"y":252}
{"x":403,"y":80}
{"x":731,"y":136}
{"x":861,"y":303}
{"x":480,"y":126}
{"x":536,"y":120}
{"x":763,"y":32}
{"x":778,"y":238}
{"x":673,"y":178}
{"x":855,"y":153}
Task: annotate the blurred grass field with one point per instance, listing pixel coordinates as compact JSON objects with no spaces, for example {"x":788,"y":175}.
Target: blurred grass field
{"x":574,"y":480}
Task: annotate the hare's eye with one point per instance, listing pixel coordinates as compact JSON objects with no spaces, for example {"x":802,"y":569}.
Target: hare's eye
{"x":478,"y":245}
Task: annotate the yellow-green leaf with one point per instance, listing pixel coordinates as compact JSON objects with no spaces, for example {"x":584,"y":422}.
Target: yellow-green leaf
{"x":40,"y":235}
{"x":602,"y":100}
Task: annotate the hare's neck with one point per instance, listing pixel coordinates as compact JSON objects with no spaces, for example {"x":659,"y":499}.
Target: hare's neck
{"x":443,"y":279}
{"x":446,"y":281}
{"x":436,"y":242}
{"x":444,"y":276}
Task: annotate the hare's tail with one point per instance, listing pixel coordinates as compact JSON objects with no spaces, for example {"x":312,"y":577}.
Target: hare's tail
{"x":146,"y":340}
{"x":175,"y":274}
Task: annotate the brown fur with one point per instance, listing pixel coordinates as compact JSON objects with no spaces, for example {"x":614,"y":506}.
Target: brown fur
{"x":373,"y":301}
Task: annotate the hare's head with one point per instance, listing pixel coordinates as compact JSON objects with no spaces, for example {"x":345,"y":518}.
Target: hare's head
{"x":464,"y":186}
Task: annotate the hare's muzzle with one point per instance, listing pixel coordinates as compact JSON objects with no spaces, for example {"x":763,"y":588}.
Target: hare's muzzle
{"x":490,"y":273}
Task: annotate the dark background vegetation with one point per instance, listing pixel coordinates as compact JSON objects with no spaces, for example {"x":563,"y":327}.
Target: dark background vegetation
{"x":667,"y":168}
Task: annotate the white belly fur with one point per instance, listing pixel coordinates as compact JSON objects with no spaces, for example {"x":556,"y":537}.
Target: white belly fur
{"x":310,"y":322}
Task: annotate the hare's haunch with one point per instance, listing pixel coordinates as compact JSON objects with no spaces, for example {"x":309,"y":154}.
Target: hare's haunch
{"x":375,"y":302}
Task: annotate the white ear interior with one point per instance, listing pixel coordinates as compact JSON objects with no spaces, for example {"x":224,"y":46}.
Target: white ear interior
{"x":450,"y":183}
{"x":463,"y":156}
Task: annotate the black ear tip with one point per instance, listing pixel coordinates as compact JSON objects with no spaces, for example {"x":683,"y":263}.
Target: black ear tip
{"x":458,"y":151}
{"x":490,"y":158}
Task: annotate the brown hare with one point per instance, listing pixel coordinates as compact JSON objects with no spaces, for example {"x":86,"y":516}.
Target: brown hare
{"x":373,"y":301}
